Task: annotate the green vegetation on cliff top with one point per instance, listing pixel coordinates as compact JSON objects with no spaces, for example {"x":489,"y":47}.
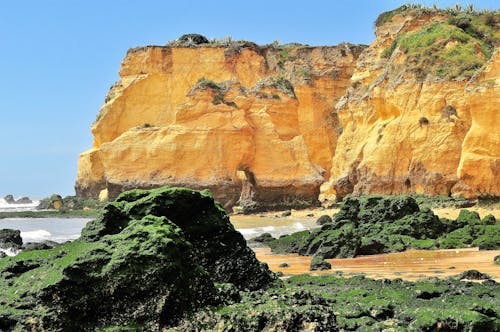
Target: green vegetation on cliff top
{"x":452,"y":49}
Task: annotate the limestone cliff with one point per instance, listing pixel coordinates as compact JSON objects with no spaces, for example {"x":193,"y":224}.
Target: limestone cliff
{"x":414,"y":120}
{"x":266,"y":126}
{"x":242,"y":120}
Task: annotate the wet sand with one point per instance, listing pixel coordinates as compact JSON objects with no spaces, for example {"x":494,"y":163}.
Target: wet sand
{"x":408,"y":265}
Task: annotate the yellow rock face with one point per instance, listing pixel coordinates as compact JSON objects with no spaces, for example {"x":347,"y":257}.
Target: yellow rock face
{"x":158,"y":126}
{"x":402,"y":135}
{"x":278,"y":127}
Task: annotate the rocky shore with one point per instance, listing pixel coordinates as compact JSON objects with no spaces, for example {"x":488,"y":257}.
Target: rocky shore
{"x":169,"y":259}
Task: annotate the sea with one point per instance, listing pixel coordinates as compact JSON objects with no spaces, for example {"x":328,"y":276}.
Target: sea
{"x":66,"y":229}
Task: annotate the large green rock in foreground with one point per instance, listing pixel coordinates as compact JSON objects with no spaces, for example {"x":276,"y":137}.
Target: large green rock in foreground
{"x":382,"y":224}
{"x":149,"y":259}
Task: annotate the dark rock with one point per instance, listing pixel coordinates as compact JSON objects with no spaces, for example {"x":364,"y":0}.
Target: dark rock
{"x":310,"y":215}
{"x":9,"y":199}
{"x":324,"y":219}
{"x":467,"y":217}
{"x":218,"y":247}
{"x":39,"y":245}
{"x":149,"y":259}
{"x":193,"y":39}
{"x":473,"y":275}
{"x":10,"y":238}
{"x":271,"y":310}
{"x":24,"y":200}
{"x":488,"y":220}
{"x":496,"y":260}
{"x":263,"y":238}
{"x":286,"y":213}
{"x":284,"y":265}
{"x":55,"y":201}
{"x":2,"y":254}
{"x":318,"y":263}
{"x":381,"y":224}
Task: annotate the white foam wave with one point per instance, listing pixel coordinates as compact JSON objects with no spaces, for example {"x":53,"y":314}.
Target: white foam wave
{"x":10,"y":251}
{"x":6,"y":207}
{"x":36,"y":236}
{"x":298,"y":225}
{"x":247,"y":231}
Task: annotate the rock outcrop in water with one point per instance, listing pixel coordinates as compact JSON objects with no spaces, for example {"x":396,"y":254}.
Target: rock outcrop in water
{"x":377,"y":224}
{"x":149,"y":259}
{"x":264,"y":127}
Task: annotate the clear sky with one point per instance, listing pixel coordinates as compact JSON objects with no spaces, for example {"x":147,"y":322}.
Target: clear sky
{"x":58,"y":59}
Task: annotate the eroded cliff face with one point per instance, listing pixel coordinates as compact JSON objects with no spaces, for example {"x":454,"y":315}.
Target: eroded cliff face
{"x":264,"y":127}
{"x":403,"y":133}
{"x":253,"y":124}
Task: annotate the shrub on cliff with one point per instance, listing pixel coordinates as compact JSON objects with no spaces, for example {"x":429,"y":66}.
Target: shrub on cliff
{"x":149,"y":259}
{"x":455,"y":49}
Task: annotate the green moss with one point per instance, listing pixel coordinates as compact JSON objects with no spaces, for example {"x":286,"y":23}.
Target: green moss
{"x":284,"y":244}
{"x":444,"y":51}
{"x":150,"y":258}
{"x":376,"y":224}
{"x":387,"y":16}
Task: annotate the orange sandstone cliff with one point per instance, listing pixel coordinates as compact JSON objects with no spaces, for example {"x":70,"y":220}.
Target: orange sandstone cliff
{"x":277,"y":126}
{"x":253,"y":124}
{"x":413,"y":121}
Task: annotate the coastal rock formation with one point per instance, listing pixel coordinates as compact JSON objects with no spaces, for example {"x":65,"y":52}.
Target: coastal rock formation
{"x":149,"y":259}
{"x":266,"y":126}
{"x":419,"y":117}
{"x":249,"y":123}
{"x":382,"y":224}
{"x":10,"y":239}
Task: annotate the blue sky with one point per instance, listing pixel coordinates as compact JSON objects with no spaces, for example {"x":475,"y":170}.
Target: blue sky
{"x":59,"y":58}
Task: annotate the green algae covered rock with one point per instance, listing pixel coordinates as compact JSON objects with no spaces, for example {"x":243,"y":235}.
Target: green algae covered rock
{"x":150,"y":258}
{"x":382,"y":224}
{"x":318,"y":263}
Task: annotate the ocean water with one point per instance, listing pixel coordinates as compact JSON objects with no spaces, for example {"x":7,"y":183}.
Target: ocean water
{"x":41,"y":229}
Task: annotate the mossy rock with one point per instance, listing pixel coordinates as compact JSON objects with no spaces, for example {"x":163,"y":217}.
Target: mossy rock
{"x":217,"y":246}
{"x":324,"y":219}
{"x":467,"y":217}
{"x":377,"y":224}
{"x":151,"y":258}
{"x":10,"y":238}
{"x":318,"y":263}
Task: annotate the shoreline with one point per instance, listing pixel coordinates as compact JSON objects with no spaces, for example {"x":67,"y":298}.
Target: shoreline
{"x":408,"y":265}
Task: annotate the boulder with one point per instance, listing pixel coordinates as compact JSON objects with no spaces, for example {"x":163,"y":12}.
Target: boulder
{"x":9,"y":199}
{"x":10,"y":238}
{"x":381,"y":224}
{"x":39,"y":245}
{"x":24,"y":200}
{"x":318,"y":263}
{"x":263,"y":238}
{"x":192,"y":39}
{"x":151,"y":258}
{"x":473,"y":275}
{"x":324,"y":219}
